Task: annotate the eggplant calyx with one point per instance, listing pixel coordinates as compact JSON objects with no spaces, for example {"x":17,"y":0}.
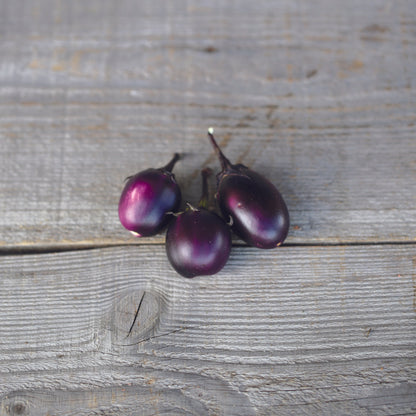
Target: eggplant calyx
{"x":191,"y":208}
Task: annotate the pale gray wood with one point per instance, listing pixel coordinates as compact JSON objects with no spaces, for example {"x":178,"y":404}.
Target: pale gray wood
{"x":319,"y":96}
{"x":299,"y":330}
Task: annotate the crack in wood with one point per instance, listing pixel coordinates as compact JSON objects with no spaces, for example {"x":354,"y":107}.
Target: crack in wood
{"x":136,"y":315}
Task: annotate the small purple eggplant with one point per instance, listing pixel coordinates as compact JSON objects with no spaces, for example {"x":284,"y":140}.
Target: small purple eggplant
{"x":255,"y":207}
{"x":198,"y":241}
{"x":147,"y":198}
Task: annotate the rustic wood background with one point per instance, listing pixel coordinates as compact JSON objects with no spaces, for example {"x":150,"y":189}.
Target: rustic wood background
{"x":320,"y":96}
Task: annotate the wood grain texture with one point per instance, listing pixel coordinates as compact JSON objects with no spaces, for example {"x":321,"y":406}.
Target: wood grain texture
{"x":318,"y":96}
{"x":331,"y":331}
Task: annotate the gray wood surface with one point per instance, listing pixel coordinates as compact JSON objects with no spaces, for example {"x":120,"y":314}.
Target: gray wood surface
{"x":318,"y":96}
{"x":323,"y":334}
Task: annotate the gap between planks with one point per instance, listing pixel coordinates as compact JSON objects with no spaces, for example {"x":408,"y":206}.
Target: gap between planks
{"x":58,"y":248}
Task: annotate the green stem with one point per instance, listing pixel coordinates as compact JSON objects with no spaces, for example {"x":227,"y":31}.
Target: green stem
{"x":204,"y":201}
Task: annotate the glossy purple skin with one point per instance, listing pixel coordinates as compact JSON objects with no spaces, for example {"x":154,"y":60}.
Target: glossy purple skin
{"x":146,"y":199}
{"x":198,"y":243}
{"x":259,"y":213}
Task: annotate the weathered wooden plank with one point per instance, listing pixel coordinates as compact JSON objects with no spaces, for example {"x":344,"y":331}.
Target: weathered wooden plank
{"x":318,"y":96}
{"x":299,"y":330}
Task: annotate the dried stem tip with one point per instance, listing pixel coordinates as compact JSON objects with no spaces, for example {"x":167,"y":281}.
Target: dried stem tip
{"x":225,"y":163}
